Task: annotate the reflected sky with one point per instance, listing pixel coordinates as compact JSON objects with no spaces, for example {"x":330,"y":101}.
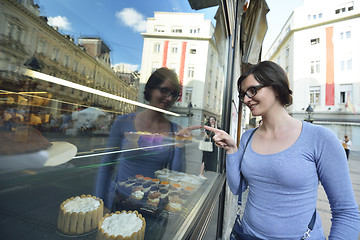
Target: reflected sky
{"x":118,"y":22}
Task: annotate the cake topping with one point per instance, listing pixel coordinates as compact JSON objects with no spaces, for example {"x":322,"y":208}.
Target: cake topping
{"x":124,"y":224}
{"x":86,"y":204}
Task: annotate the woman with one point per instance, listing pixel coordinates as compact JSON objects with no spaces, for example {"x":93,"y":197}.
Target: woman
{"x":283,"y":163}
{"x":209,"y":159}
{"x":161,"y":90}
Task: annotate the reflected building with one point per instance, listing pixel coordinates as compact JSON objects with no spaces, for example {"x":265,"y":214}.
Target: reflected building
{"x":185,"y":43}
{"x":28,"y":41}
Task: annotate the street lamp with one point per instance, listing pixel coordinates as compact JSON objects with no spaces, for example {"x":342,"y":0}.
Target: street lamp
{"x":309,"y":111}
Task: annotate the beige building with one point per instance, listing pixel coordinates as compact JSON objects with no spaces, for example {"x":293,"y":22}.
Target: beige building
{"x":185,"y":43}
{"x":319,"y":49}
{"x":27,"y":39}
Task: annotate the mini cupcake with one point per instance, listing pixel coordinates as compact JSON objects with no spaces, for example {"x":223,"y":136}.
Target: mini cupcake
{"x":154,"y":180}
{"x":174,"y":197}
{"x":163,"y":192}
{"x":154,"y":188}
{"x":147,"y":179}
{"x":137,"y":187}
{"x":139,"y":176}
{"x":129,"y":183}
{"x":146,"y":186}
{"x":137,"y":195}
{"x":173,"y":207}
{"x":154,"y":198}
{"x":166,"y":184}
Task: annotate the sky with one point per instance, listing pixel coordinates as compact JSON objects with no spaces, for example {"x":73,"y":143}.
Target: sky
{"x":119,"y":23}
{"x":280,"y":11}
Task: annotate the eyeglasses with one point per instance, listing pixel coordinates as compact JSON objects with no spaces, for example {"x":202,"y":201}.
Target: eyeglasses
{"x":250,"y":92}
{"x":167,"y":92}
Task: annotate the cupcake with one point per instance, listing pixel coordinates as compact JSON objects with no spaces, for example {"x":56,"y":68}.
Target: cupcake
{"x":147,"y":179}
{"x":139,"y":176}
{"x":154,"y":198}
{"x":137,"y":187}
{"x":154,"y":188}
{"x":154,"y":180}
{"x":129,"y":183}
{"x":146,"y":187}
{"x":137,"y":195}
{"x":163,"y":192}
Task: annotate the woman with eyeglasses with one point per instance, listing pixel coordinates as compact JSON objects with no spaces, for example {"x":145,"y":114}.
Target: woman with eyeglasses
{"x":282,"y":164}
{"x":161,"y":91}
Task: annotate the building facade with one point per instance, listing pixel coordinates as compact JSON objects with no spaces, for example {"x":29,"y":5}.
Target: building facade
{"x":28,"y":41}
{"x":318,"y":48}
{"x":184,"y":42}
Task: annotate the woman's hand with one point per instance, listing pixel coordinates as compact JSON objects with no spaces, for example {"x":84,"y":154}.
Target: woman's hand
{"x":223,"y":140}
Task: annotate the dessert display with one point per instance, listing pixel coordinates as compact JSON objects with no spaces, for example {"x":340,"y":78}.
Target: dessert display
{"x":170,"y":192}
{"x":122,"y":225}
{"x":79,"y":215}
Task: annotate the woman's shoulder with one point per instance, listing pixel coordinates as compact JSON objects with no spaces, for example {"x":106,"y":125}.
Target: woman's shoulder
{"x":314,"y":129}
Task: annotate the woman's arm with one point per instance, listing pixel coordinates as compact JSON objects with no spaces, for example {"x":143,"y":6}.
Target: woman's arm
{"x":108,"y":162}
{"x":333,"y":172}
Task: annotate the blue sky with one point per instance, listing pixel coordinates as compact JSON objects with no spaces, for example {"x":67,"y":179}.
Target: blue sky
{"x":120,"y":22}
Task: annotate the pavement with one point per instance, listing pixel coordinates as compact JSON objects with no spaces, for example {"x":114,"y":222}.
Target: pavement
{"x":323,"y":206}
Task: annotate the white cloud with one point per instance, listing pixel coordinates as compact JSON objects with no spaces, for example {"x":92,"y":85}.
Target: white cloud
{"x":125,"y":67}
{"x":61,"y":22}
{"x":133,"y":19}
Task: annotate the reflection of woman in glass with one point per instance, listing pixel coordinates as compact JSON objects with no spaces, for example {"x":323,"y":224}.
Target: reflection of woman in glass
{"x":209,"y":158}
{"x":161,"y":90}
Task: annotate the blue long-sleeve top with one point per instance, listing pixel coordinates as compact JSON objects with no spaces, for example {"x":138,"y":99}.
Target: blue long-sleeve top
{"x":283,"y":187}
{"x":143,"y":161}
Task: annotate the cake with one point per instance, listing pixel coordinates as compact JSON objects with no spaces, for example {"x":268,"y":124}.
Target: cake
{"x":122,"y":225}
{"x":78,"y":215}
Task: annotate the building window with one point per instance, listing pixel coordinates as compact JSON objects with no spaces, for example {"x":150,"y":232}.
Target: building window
{"x":157,"y":47}
{"x":345,"y":34}
{"x":314,"y":41}
{"x":315,"y":66}
{"x":174,"y":49}
{"x":345,"y":93}
{"x":315,"y":95}
{"x":159,"y":28}
{"x":41,"y":46}
{"x":287,"y":51}
{"x":194,"y":30}
{"x":320,"y":15}
{"x":188,"y":94}
{"x":192,"y":50}
{"x":176,"y":29}
{"x":191,"y":71}
{"x":346,"y":64}
{"x":55,"y":54}
{"x":66,"y":61}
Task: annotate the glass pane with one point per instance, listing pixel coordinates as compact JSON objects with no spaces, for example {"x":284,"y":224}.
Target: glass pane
{"x":96,"y":99}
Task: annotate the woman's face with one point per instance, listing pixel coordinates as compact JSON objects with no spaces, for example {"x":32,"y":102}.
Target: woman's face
{"x":164,"y":96}
{"x":212,"y":121}
{"x":264,"y":100}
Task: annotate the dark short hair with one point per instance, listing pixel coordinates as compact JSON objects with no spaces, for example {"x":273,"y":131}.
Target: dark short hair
{"x":157,"y":78}
{"x":270,"y":74}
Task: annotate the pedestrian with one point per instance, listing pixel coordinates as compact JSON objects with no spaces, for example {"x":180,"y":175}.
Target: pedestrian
{"x":346,"y":142}
{"x":282,"y":165}
{"x":209,"y":159}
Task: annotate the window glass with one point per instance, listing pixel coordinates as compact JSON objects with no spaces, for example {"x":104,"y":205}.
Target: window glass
{"x":95,"y":101}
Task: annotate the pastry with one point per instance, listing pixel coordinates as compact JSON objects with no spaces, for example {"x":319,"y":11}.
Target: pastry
{"x":122,"y":225}
{"x":78,"y":215}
